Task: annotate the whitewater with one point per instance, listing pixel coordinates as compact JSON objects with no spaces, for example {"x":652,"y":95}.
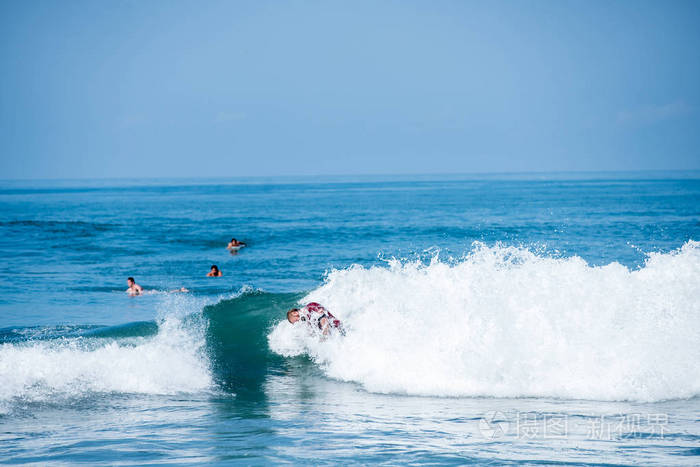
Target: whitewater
{"x":166,"y":356}
{"x":506,"y":322}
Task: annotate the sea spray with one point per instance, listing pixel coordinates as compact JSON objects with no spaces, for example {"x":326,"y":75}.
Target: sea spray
{"x":507,"y":322}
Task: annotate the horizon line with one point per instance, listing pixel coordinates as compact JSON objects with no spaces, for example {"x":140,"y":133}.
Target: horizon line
{"x":358,"y":175}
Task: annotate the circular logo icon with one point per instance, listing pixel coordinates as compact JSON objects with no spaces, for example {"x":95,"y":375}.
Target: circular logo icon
{"x":493,"y":424}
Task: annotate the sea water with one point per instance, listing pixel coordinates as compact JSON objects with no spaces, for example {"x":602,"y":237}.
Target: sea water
{"x":495,"y":319}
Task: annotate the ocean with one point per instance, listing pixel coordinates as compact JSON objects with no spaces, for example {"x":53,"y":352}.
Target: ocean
{"x":502,"y":319}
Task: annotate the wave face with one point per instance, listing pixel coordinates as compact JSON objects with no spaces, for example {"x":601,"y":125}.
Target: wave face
{"x":507,"y":322}
{"x":240,"y":357}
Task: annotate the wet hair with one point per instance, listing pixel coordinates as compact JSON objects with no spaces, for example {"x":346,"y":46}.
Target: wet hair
{"x":130,"y":279}
{"x":214,"y":266}
{"x":233,"y":240}
{"x":289,"y":313}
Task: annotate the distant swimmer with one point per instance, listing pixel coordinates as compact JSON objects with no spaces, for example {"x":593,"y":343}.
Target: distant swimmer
{"x":214,"y":272}
{"x":316,"y":316}
{"x":235,"y":245}
{"x":134,"y":288}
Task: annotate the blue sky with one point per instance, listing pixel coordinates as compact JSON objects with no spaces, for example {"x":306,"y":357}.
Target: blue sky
{"x":184,"y":88}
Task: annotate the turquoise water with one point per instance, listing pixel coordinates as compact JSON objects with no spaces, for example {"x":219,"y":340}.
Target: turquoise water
{"x":507,"y":319}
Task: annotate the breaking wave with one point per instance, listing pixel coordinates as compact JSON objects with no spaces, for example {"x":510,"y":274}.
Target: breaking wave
{"x":507,"y":322}
{"x":47,"y":364}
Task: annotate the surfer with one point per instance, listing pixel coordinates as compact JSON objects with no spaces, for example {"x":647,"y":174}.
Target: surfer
{"x":316,"y":316}
{"x":234,"y":245}
{"x":214,"y":272}
{"x":134,"y":288}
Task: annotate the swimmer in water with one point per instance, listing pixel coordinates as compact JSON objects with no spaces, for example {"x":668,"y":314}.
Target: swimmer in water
{"x":214,"y":272}
{"x":234,"y":244}
{"x":134,"y":289}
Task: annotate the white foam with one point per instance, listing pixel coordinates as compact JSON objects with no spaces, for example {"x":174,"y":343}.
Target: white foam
{"x":170,"y":362}
{"x":506,"y":322}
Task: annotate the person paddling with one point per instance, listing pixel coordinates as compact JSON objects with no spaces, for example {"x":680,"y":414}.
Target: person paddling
{"x":235,"y":245}
{"x":134,"y":289}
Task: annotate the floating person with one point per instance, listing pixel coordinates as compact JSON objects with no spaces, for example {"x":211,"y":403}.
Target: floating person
{"x":234,"y":245}
{"x":316,"y":316}
{"x":214,"y":272}
{"x":134,"y":289}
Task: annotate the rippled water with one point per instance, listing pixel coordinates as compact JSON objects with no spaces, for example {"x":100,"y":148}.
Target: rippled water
{"x":499,"y":319}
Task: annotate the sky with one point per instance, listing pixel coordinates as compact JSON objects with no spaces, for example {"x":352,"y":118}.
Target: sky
{"x":92,"y":89}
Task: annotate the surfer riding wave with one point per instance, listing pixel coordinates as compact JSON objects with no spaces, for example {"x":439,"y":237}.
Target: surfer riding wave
{"x":316,"y":316}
